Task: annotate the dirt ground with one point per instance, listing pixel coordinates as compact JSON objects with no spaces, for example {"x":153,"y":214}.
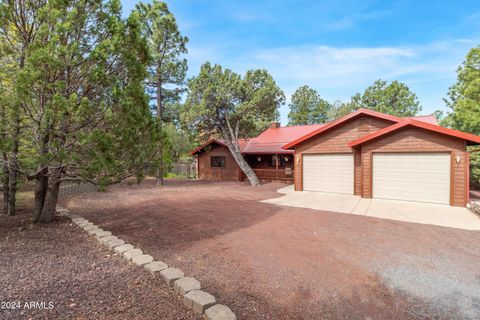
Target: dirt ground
{"x":67,"y":274}
{"x":273,"y":262}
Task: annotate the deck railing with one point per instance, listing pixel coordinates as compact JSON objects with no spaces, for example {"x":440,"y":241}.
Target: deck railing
{"x":274,"y":174}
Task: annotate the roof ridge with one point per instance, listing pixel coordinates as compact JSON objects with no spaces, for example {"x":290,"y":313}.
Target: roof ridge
{"x":420,"y":124}
{"x":302,"y":125}
{"x":422,"y":115}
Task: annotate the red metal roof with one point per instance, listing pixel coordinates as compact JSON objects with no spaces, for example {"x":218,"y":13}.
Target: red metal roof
{"x":269,"y":141}
{"x":280,"y":140}
{"x":272,"y":140}
{"x":473,"y":139}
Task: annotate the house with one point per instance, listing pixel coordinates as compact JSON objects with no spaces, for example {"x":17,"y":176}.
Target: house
{"x":365,"y":153}
{"x":263,"y":153}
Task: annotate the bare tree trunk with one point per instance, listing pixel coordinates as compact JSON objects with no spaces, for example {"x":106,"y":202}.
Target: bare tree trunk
{"x":234,"y":148}
{"x":13,"y":164}
{"x":10,"y":166}
{"x":5,"y":176}
{"x":159,"y":177}
{"x":5,"y":184}
{"x":13,"y":168}
{"x":237,"y":155}
{"x":12,"y":191}
{"x":41,"y":186}
{"x":51,"y":198}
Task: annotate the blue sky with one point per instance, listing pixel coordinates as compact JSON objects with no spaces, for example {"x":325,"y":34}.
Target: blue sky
{"x":336,"y":47}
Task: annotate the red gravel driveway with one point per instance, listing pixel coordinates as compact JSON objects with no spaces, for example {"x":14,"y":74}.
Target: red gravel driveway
{"x":58,"y":271}
{"x":272,"y":262}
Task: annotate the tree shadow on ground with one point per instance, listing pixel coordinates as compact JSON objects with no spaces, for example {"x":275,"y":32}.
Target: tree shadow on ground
{"x":177,"y":214}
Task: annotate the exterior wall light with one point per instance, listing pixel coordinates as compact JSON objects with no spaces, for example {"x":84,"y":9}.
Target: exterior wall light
{"x":457,"y":159}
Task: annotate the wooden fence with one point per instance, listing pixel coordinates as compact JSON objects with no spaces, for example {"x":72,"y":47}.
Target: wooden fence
{"x":67,"y":189}
{"x":26,"y":194}
{"x":185,"y":169}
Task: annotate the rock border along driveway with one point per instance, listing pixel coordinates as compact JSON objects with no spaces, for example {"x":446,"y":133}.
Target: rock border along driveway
{"x":188,"y":288}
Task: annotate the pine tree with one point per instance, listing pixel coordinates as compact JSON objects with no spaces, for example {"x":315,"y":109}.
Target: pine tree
{"x":307,"y":107}
{"x":464,"y":103}
{"x":222,"y":102}
{"x":395,"y":98}
{"x":81,"y":95}
{"x":167,"y":69}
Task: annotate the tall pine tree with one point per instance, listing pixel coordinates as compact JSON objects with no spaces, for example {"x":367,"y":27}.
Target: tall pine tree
{"x":464,"y":103}
{"x":167,"y":69}
{"x":393,"y":98}
{"x":307,"y":107}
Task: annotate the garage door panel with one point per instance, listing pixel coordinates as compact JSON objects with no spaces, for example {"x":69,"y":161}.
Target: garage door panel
{"x":328,"y":173}
{"x":412,"y":176}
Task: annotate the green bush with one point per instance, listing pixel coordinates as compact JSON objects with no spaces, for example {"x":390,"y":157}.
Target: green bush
{"x":171,"y":175}
{"x":475,"y":170}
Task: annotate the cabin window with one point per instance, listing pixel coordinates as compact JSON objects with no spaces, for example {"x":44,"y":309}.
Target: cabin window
{"x":217,"y":161}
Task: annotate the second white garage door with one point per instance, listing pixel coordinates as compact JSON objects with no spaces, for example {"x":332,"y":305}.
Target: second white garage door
{"x":328,"y":173}
{"x":421,"y":177}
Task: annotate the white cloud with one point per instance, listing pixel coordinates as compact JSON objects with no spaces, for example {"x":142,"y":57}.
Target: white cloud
{"x":333,"y":67}
{"x":352,"y":20}
{"x":330,"y":66}
{"x":473,"y":16}
{"x":248,"y":16}
{"x":338,"y":73}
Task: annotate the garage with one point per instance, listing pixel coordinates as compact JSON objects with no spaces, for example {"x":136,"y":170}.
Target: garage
{"x":412,"y":159}
{"x":423,"y":177}
{"x":328,"y":172}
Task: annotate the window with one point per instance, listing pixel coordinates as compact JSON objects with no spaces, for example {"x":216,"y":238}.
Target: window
{"x":217,"y":162}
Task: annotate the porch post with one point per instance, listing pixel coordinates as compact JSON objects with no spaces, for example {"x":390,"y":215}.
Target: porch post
{"x":276,"y":167}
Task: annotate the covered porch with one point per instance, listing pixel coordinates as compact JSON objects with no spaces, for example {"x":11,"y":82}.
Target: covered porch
{"x":271,"y":167}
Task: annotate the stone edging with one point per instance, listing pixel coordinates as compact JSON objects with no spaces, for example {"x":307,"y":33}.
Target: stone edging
{"x":474,"y":206}
{"x":198,"y":300}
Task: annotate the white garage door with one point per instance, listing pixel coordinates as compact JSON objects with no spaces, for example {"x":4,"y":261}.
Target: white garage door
{"x":328,"y":173}
{"x":421,"y":177}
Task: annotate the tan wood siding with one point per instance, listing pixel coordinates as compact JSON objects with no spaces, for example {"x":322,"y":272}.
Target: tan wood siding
{"x":297,"y":173}
{"x":336,"y":141}
{"x":358,"y":173}
{"x":205,"y":171}
{"x":459,"y":193}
